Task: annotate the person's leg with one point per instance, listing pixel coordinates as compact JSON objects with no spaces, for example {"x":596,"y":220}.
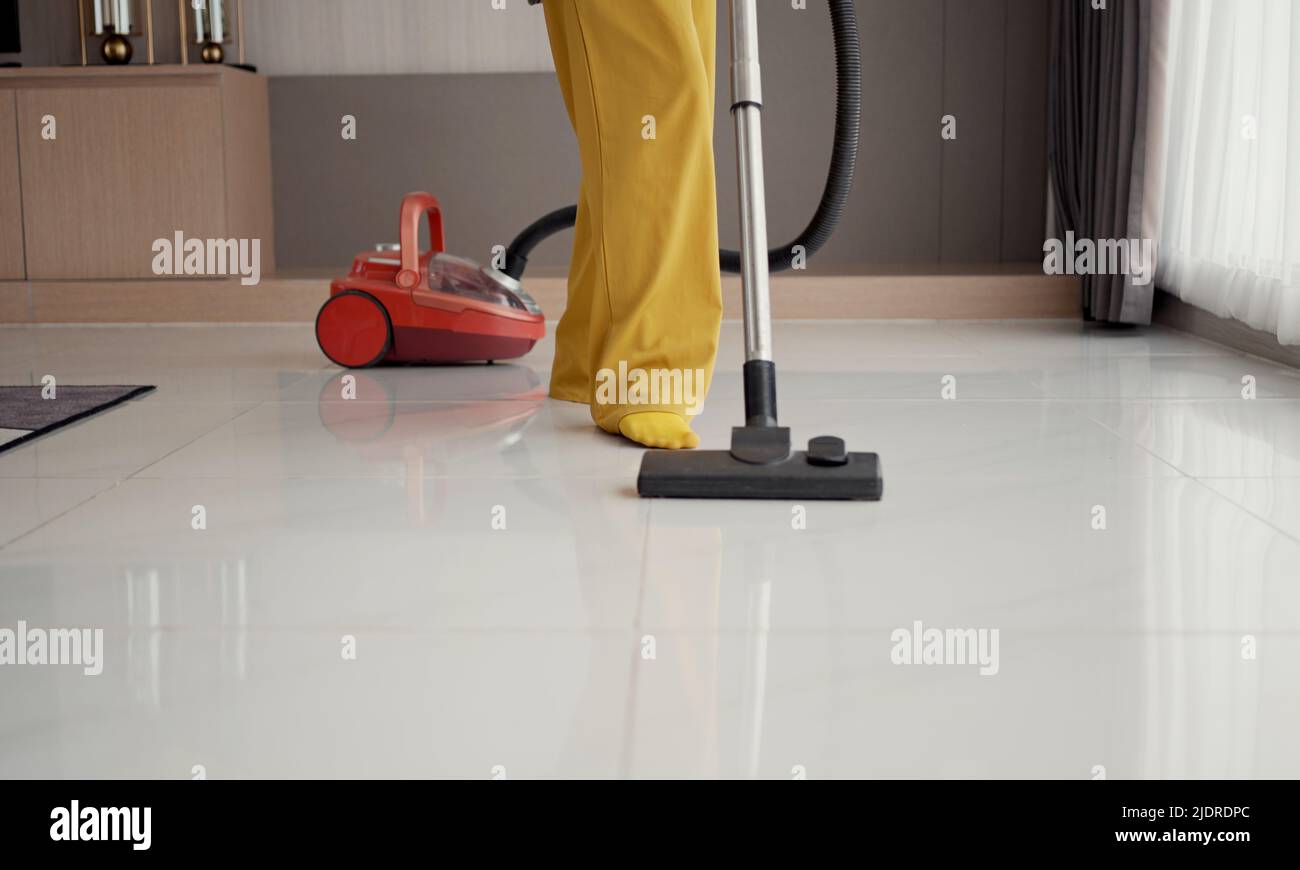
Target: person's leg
{"x":642,"y":99}
{"x":705,"y":13}
{"x":570,"y":371}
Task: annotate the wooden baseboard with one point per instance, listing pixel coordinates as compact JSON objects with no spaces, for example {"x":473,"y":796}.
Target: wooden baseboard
{"x":1174,"y":313}
{"x":274,"y":300}
{"x":922,"y":293}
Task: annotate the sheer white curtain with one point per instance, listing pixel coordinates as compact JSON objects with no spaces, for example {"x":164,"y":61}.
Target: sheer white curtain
{"x":1230,"y":231}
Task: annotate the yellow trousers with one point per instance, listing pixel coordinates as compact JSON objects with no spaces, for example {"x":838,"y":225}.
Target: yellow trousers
{"x":644,"y":284}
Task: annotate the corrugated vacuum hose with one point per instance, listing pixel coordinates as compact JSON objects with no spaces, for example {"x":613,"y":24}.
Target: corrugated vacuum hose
{"x":839,"y":178}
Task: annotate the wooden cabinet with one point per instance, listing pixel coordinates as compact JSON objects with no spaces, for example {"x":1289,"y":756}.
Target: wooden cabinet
{"x":11,"y":206}
{"x":138,"y":154}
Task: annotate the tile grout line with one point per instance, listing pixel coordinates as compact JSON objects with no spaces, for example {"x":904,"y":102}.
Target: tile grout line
{"x":136,"y":474}
{"x":1184,"y":475}
{"x":1232,"y":501}
{"x":1125,"y":440}
{"x":629,"y":724}
{"x":254,"y":406}
{"x":119,"y":481}
{"x":112,"y":486}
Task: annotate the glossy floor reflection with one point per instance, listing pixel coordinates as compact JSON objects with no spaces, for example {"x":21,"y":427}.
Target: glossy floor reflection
{"x":1121,"y":506}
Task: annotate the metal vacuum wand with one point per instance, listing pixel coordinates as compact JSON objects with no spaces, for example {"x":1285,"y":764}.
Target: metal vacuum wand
{"x":747,"y":115}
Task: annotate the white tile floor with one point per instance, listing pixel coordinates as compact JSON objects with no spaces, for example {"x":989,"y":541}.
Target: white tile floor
{"x":522,"y":649}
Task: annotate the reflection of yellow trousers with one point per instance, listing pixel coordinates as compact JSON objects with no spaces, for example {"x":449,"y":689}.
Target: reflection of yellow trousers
{"x":644,"y":285}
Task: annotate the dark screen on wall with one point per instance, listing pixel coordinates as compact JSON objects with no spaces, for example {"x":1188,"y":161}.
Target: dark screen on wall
{"x":9,"y":42}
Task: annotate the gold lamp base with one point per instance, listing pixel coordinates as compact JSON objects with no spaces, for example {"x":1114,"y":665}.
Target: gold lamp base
{"x":116,"y":49}
{"x":212,"y":52}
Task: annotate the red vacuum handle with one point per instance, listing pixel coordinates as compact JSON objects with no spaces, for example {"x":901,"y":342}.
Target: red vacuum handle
{"x":414,"y":207}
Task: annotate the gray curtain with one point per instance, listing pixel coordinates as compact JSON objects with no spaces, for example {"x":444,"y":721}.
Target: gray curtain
{"x":1100,"y":88}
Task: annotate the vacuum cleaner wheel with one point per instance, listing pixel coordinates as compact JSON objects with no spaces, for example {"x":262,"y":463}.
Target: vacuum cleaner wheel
{"x":353,"y":329}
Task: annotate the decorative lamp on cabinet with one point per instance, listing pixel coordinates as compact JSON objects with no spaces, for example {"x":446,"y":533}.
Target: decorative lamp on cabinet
{"x":116,"y":21}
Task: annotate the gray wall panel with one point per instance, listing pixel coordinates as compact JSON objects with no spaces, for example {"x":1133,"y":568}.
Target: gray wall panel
{"x":498,"y":150}
{"x":396,"y":37}
{"x":974,"y":58}
{"x":894,"y":213}
{"x":1024,"y":211}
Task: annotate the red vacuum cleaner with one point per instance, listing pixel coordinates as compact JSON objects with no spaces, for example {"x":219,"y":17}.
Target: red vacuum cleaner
{"x":401,"y":305}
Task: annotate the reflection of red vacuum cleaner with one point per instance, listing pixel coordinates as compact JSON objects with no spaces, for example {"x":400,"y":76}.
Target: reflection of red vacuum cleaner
{"x":430,"y":425}
{"x":425,"y":307}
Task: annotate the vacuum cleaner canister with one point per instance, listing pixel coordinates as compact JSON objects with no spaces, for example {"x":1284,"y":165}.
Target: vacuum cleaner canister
{"x":408,"y":306}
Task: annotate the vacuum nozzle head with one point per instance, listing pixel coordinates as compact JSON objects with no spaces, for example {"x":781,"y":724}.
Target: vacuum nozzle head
{"x":756,"y":468}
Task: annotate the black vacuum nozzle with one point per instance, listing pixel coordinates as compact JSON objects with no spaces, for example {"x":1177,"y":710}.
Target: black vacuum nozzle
{"x":760,"y":465}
